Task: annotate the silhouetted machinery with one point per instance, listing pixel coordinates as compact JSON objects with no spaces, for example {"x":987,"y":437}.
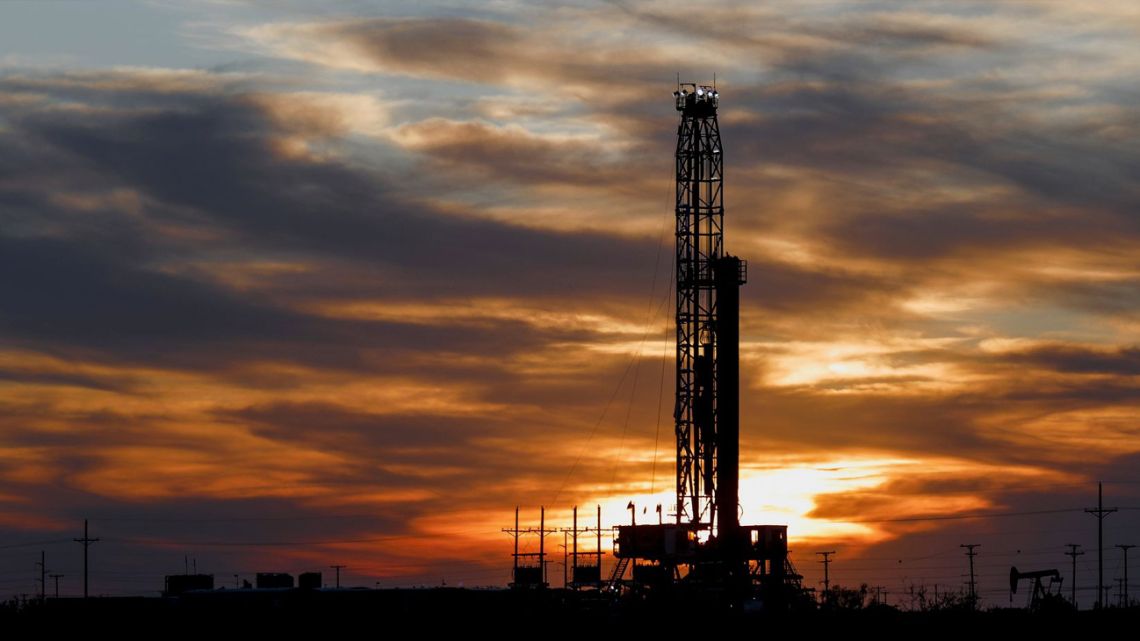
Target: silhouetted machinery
{"x":274,"y":581}
{"x":1041,"y":592}
{"x":178,"y":584}
{"x":705,"y":547}
{"x":310,"y":581}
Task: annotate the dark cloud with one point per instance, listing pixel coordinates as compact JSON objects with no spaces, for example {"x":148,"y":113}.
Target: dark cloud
{"x":479,"y":150}
{"x":888,"y":140}
{"x":783,"y":288}
{"x":918,"y":236}
{"x":1124,"y":361}
{"x":850,"y":422}
{"x":476,"y":50}
{"x":465,"y":49}
{"x":211,"y":158}
{"x":1114,"y":298}
{"x":62,"y":294}
{"x":66,"y":379}
{"x":420,"y":442}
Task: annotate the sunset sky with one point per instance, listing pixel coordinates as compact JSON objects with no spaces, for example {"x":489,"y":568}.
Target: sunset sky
{"x":283,"y":286}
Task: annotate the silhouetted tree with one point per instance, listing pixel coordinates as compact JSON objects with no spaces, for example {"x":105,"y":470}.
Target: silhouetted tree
{"x":843,"y":598}
{"x":949,"y":602}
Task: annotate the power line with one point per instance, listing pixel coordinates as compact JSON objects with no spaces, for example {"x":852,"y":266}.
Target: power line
{"x":661,"y":389}
{"x":593,"y":431}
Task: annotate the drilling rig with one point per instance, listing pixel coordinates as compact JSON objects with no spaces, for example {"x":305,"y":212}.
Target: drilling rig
{"x":705,"y":549}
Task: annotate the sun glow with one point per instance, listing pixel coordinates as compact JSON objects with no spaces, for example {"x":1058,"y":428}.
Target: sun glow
{"x":854,"y":499}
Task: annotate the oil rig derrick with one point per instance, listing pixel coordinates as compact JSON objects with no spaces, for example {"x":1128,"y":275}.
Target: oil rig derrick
{"x":706,"y":548}
{"x":703,"y":551}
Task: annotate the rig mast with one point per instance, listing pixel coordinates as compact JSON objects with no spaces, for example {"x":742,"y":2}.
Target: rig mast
{"x":699,"y":245}
{"x":706,"y":549}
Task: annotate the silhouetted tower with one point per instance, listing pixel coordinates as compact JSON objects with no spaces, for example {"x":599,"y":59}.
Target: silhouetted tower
{"x":706,"y":407}
{"x":1073,"y":587}
{"x":699,"y":245}
{"x":1100,"y":512}
{"x":42,"y":565}
{"x":707,"y":403}
{"x":1125,"y":548}
{"x":706,"y":547}
{"x":973,"y":584}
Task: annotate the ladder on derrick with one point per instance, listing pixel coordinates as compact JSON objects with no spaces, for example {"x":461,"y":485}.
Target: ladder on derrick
{"x":619,"y":572}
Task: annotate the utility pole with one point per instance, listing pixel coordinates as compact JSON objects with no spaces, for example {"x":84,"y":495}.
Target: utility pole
{"x":1100,"y":512}
{"x":599,"y":549}
{"x":56,"y":577}
{"x":973,"y":585}
{"x":1074,"y":554}
{"x":575,"y":556}
{"x":1126,"y":548}
{"x":541,"y":531}
{"x":826,"y":574}
{"x":338,"y":568}
{"x":43,"y":578}
{"x":87,"y":541}
{"x":566,"y":558}
{"x":542,"y":543}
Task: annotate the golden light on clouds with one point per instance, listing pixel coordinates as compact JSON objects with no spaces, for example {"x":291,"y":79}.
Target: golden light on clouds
{"x":820,"y":363}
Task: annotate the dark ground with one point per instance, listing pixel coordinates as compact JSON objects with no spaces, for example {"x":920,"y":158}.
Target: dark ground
{"x":466,"y":613}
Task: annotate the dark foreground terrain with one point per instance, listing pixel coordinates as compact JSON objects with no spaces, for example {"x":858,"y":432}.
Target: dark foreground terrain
{"x":464,"y":612}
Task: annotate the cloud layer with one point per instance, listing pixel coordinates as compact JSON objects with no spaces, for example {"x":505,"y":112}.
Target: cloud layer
{"x":371,"y":322}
